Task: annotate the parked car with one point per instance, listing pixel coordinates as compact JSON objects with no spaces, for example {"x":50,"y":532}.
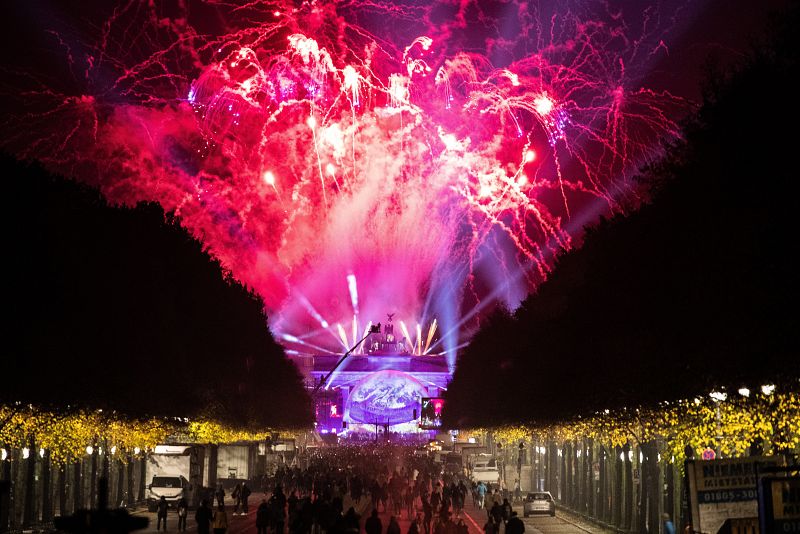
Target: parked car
{"x":539,"y":502}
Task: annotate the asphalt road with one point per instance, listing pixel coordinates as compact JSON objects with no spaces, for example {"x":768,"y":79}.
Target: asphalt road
{"x":239,"y":524}
{"x":562,"y":523}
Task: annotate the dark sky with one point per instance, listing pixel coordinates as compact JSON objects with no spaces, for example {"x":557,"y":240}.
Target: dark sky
{"x":715,"y":30}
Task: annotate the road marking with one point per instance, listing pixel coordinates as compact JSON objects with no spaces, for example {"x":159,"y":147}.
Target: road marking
{"x":472,"y":521}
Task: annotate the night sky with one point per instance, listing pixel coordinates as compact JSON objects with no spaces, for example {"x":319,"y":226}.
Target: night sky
{"x":138,"y":118}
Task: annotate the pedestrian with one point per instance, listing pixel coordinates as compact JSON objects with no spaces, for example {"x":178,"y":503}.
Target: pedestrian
{"x":408,"y":498}
{"x":490,"y":527}
{"x":669,"y":526}
{"x":481,"y":491}
{"x":515,"y":524}
{"x":293,"y":501}
{"x":220,"y":495}
{"x":373,"y":524}
{"x":162,"y":513}
{"x":203,"y":517}
{"x":416,"y":525}
{"x":245,"y":494}
{"x":277,"y":504}
{"x":394,"y":527}
{"x":262,"y":517}
{"x":427,"y":510}
{"x":506,"y":511}
{"x":461,"y":527}
{"x":440,"y":525}
{"x":384,"y":495}
{"x":220,"y":521}
{"x":351,"y":521}
{"x":236,"y":495}
{"x":517,"y":491}
{"x":496,"y":512}
{"x":436,"y":500}
{"x":183,"y":511}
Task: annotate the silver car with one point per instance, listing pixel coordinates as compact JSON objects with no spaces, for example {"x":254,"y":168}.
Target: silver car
{"x":539,"y":502}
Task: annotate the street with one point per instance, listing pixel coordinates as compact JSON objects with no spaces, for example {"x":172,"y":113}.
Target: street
{"x":236,"y":524}
{"x":474,"y":518}
{"x":562,"y":523}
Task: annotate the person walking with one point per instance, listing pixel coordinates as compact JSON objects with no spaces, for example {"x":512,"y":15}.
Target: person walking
{"x":220,"y":495}
{"x":514,"y":525}
{"x":416,"y":526}
{"x":481,"y":491}
{"x":236,"y":495}
{"x":496,"y":512}
{"x":220,"y":521}
{"x":669,"y":526}
{"x":490,"y":527}
{"x":408,"y":499}
{"x":183,"y":511}
{"x":436,"y":500}
{"x":277,"y":511}
{"x":373,"y":524}
{"x":506,"y":511}
{"x":203,"y":517}
{"x":245,"y":494}
{"x":427,"y":510}
{"x":384,"y":495}
{"x":351,"y":521}
{"x":162,"y":513}
{"x":262,"y":517}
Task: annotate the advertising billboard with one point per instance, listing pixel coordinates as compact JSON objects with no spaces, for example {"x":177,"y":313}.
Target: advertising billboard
{"x":431,"y":413}
{"x":723,"y":489}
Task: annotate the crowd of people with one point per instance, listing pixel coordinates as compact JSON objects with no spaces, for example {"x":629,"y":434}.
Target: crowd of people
{"x":341,"y":489}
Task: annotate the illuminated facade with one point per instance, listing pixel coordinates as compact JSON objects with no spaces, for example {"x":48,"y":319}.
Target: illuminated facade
{"x":382,"y":386}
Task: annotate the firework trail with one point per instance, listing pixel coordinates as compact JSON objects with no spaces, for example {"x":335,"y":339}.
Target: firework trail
{"x":434,"y":152}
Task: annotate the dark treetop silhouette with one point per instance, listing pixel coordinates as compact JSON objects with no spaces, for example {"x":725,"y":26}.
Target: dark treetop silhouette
{"x":121,"y":309}
{"x":697,"y":289}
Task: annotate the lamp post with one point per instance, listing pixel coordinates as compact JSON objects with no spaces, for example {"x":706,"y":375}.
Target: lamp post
{"x":500,"y":462}
{"x":518,"y":484}
{"x":718,"y":397}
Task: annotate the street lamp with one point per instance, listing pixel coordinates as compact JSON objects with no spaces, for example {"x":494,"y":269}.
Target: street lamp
{"x":718,"y":396}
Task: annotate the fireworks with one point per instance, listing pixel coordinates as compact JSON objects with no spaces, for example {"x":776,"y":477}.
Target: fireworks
{"x":309,"y":147}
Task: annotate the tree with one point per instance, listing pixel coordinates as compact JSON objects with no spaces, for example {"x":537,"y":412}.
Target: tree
{"x":120,"y":308}
{"x":694,"y":290}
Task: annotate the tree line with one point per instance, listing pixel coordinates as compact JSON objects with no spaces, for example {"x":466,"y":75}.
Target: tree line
{"x":697,"y":289}
{"x":119,"y":308}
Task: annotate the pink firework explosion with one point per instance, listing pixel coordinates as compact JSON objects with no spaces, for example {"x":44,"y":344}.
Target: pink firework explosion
{"x":436,"y":156}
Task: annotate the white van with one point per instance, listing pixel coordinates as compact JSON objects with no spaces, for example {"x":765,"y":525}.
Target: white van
{"x":172,"y":487}
{"x":485,"y":474}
